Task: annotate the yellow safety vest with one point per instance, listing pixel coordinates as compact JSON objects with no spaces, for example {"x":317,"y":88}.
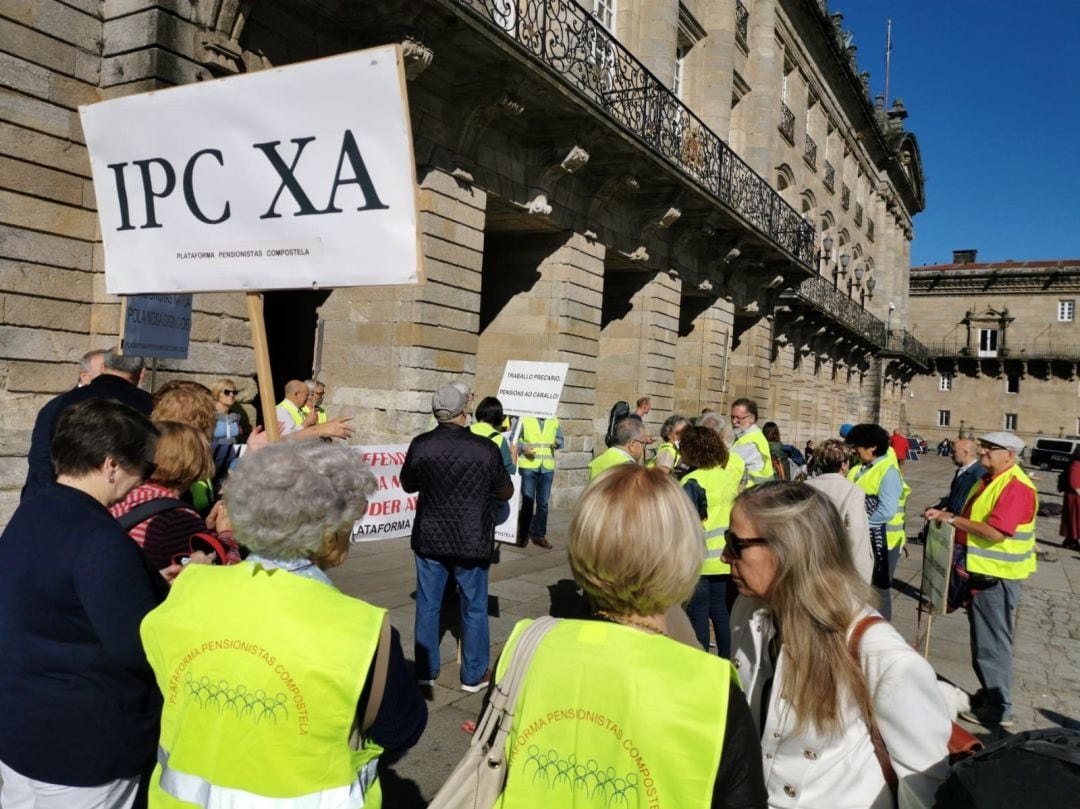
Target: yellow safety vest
{"x":294,"y":411}
{"x":599,"y":733}
{"x":261,"y":672}
{"x":721,"y":487}
{"x":612,"y":456}
{"x":320,"y":419}
{"x":667,"y":446}
{"x":870,"y":482}
{"x":757,"y":438}
{"x":485,"y":430}
{"x":1014,"y":557}
{"x":539,"y":441}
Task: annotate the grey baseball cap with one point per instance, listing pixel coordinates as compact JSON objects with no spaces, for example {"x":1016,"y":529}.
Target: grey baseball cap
{"x":447,"y":402}
{"x":1003,"y":439}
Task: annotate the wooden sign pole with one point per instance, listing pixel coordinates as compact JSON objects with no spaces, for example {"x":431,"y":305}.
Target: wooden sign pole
{"x":262,"y":364}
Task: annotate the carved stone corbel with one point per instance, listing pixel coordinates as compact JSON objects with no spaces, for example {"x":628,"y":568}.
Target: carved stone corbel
{"x":417,"y":57}
{"x":544,"y":184}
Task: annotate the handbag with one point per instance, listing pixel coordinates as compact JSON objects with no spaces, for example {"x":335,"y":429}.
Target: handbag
{"x":479,"y":778}
{"x":961,"y":743}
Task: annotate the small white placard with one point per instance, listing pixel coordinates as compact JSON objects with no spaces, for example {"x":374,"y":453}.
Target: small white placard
{"x":532,"y":388}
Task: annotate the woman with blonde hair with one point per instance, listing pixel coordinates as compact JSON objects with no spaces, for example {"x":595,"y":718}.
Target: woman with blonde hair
{"x":228,"y":429}
{"x":611,"y":705}
{"x":819,"y":677}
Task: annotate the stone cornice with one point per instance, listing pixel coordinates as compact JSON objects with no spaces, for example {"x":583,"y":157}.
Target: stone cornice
{"x":1003,"y":279}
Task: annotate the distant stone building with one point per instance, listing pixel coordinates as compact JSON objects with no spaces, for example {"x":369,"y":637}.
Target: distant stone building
{"x":1004,"y":345}
{"x":688,"y":200}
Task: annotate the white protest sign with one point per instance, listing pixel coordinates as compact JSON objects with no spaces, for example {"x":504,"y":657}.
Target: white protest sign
{"x":294,"y":177}
{"x":532,"y":388}
{"x":508,"y":531}
{"x":391,"y":511}
{"x":157,"y":326}
{"x":937,"y":564}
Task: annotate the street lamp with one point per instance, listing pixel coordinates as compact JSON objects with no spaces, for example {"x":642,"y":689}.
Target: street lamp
{"x":867,"y":294}
{"x":826,"y":251}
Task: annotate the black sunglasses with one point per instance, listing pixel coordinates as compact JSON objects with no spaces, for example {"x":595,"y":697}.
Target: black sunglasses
{"x":734,"y":545}
{"x":228,"y":392}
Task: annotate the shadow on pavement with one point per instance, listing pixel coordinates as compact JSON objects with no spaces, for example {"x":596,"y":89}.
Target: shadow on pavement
{"x":401,"y":793}
{"x":1060,"y":719}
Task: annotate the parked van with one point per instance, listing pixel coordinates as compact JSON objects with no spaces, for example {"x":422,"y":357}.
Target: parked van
{"x":1052,"y":453}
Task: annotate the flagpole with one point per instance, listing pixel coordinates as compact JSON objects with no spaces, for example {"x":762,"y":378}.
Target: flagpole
{"x":888,"y":59}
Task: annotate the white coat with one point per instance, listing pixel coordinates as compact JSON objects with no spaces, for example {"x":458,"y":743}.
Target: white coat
{"x":842,"y":772}
{"x":850,"y":501}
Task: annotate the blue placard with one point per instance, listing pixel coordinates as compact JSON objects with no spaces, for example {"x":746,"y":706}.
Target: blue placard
{"x":157,"y":326}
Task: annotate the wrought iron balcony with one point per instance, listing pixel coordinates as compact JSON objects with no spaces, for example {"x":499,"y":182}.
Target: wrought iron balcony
{"x":845,"y":197}
{"x":787,"y":123}
{"x":810,"y":153}
{"x":818,"y":292}
{"x":830,"y":177}
{"x":1040,"y":350}
{"x":571,"y":44}
{"x":902,"y":342}
{"x":858,"y":215}
{"x":742,"y":24}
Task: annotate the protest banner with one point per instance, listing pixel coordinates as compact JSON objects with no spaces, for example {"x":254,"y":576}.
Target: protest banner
{"x":156,"y":326}
{"x":508,"y":531}
{"x":936,"y":569}
{"x":298,"y":177}
{"x":532,"y":388}
{"x":391,"y":511}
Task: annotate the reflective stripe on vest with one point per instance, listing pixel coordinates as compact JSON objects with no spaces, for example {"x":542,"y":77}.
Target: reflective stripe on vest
{"x":765,"y":473}
{"x":294,"y":411}
{"x":539,"y":441}
{"x":612,"y":456}
{"x":721,"y":487}
{"x":1013,"y":557}
{"x":870,"y":482}
{"x":259,"y":698}
{"x":577,"y":740}
{"x":198,"y":791}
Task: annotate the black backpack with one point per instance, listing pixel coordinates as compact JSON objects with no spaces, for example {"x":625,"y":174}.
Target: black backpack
{"x":1033,"y":768}
{"x":619,"y":411}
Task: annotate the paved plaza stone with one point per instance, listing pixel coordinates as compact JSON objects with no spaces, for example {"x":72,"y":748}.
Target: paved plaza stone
{"x":529,"y":582}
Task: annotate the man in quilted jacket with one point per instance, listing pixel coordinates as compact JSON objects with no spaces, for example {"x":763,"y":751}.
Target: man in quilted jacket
{"x":457,"y":474}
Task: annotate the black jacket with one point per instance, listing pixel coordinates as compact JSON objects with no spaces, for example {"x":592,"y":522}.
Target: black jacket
{"x":457,"y":474}
{"x":961,"y":486}
{"x":106,"y":386}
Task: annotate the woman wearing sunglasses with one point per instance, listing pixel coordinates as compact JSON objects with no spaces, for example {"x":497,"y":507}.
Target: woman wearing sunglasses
{"x":815,"y":702}
{"x":228,"y":429}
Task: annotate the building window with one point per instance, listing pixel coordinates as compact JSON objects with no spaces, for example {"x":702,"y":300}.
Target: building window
{"x":943,"y":418}
{"x":988,"y":342}
{"x":1078,"y":426}
{"x":1012,"y":383}
{"x":604,"y":11}
{"x":1010,"y":421}
{"x":945,"y":381}
{"x":1066,"y":311}
{"x":680,"y":67}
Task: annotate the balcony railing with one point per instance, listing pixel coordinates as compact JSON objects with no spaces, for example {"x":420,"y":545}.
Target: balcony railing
{"x":830,"y":177}
{"x":810,"y":153}
{"x":787,"y":123}
{"x":845,"y":197}
{"x":858,"y":215}
{"x":1036,"y":350}
{"x":821,"y":294}
{"x":742,"y":24}
{"x":901,"y":341}
{"x":570,"y":43}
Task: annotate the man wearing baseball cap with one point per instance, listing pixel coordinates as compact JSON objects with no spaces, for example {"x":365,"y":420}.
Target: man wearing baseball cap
{"x":997,"y":524}
{"x":457,"y":474}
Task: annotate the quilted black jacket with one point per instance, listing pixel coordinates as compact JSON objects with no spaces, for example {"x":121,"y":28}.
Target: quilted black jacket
{"x":457,"y":474}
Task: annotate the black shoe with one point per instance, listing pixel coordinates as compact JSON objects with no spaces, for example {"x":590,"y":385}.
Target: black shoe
{"x":541,"y":542}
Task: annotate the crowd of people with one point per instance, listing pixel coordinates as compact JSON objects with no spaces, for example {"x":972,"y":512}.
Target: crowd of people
{"x":169,"y":635}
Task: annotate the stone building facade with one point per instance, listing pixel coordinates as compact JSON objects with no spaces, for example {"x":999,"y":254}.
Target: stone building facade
{"x":1004,"y":344}
{"x":690,"y":200}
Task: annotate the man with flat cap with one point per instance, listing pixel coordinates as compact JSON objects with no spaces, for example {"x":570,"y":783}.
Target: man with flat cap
{"x":997,"y":525}
{"x":457,"y":474}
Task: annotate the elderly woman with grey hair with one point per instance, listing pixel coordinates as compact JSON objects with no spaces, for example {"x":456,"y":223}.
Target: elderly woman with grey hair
{"x":667,"y":454}
{"x":277,"y":685}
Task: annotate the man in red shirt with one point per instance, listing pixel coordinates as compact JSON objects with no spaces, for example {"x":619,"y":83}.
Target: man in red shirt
{"x":900,"y":446}
{"x":997,"y":525}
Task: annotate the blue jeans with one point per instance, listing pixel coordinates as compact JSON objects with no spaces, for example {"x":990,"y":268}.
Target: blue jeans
{"x":535,"y":490}
{"x":709,"y":602}
{"x":990,"y":616}
{"x":472,"y":581}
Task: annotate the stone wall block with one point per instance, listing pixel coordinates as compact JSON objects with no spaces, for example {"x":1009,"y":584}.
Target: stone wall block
{"x":205,"y":328}
{"x":37,"y":214}
{"x":36,"y":279}
{"x":41,"y":148}
{"x":218,"y":359}
{"x":55,"y":19}
{"x":105,"y":318}
{"x":19,"y":176}
{"x":452,"y":207}
{"x":37,"y":48}
{"x":23,"y":76}
{"x":447,"y":316}
{"x":25,"y":246}
{"x":146,"y":64}
{"x":236,"y":332}
{"x":38,"y":378}
{"x":440,"y":227}
{"x":16,"y":443}
{"x":27,"y":343}
{"x":12,"y":473}
{"x":233,"y":304}
{"x":45,"y":313}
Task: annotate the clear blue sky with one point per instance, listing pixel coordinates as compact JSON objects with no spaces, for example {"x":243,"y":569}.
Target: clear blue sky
{"x":993,"y":92}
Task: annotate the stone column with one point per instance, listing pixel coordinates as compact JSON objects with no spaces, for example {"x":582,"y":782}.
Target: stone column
{"x":715,"y":65}
{"x":701,"y":360}
{"x":386,"y":350}
{"x":556,"y":319}
{"x":766,"y":69}
{"x":750,"y":371}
